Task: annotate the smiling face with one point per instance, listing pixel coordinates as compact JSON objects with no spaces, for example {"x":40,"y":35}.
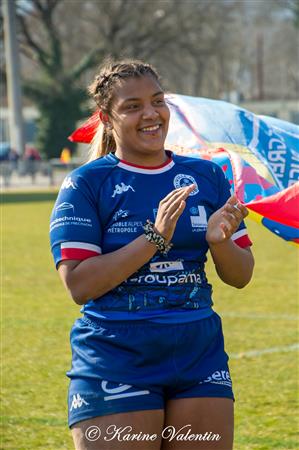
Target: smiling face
{"x":139,"y":118}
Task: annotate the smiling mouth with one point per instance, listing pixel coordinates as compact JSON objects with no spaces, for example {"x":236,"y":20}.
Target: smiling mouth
{"x":151,"y":129}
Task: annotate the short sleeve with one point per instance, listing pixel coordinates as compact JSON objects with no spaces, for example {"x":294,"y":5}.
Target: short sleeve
{"x":240,"y":237}
{"x":75,"y":229}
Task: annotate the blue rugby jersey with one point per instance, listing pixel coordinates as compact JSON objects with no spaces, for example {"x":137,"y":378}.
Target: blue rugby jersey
{"x":103,"y":205}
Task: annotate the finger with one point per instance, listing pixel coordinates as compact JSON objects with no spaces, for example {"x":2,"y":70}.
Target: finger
{"x":174,"y":202}
{"x":229,"y":223}
{"x":234,"y":202}
{"x":174,"y":217}
{"x":243,"y":210}
{"x":168,"y":196}
{"x":224,"y":230}
{"x":177,"y":192}
{"x":231,"y":219}
{"x":234,"y":211}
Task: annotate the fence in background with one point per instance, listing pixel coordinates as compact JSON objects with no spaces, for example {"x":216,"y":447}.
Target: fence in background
{"x":28,"y":173}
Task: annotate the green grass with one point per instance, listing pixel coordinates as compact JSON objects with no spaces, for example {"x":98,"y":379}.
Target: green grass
{"x":37,"y":316}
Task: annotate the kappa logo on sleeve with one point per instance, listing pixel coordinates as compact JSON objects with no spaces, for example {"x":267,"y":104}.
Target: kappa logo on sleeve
{"x":68,"y":183}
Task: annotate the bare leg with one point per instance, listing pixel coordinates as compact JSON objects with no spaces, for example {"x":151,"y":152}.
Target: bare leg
{"x":208,"y":417}
{"x":147,"y":423}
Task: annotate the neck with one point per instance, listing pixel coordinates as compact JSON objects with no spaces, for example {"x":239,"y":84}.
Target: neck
{"x":143,"y":159}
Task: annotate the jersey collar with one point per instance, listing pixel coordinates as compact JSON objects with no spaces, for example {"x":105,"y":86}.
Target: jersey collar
{"x":167,"y":165}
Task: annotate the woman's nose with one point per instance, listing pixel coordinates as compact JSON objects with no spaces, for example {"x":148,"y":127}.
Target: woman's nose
{"x":149,"y":112}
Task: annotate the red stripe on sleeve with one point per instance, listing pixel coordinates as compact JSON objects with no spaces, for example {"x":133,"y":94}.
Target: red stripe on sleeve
{"x":243,"y":241}
{"x":77,"y":253}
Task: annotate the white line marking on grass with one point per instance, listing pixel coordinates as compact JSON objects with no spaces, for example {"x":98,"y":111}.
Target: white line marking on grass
{"x":259,"y":316}
{"x":253,"y":353}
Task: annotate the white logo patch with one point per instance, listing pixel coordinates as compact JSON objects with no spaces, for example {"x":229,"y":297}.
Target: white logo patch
{"x":120,"y":188}
{"x":68,"y":183}
{"x":121,"y":213}
{"x":77,"y":402}
{"x":182,"y":180}
{"x":119,"y":391}
{"x":200,"y":220}
{"x":166,"y":266}
{"x":64,"y":206}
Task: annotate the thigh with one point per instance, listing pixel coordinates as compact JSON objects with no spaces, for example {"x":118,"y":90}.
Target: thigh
{"x":198,"y":424}
{"x":124,"y":431}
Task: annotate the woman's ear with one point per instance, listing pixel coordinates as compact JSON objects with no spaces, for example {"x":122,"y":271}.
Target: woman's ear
{"x":105,"y":120}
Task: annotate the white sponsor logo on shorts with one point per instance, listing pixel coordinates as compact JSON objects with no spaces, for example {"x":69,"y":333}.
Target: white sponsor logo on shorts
{"x":77,"y":402}
{"x":219,"y":377}
{"x":119,"y":391}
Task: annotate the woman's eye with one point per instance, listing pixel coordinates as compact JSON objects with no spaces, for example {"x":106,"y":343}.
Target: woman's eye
{"x":133,"y":106}
{"x":161,"y":101}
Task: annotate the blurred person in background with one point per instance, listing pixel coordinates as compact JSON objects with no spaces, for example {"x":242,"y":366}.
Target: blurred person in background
{"x":130,"y":231}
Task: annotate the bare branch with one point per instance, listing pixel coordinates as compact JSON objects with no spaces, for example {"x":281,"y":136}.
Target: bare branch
{"x":39,"y":53}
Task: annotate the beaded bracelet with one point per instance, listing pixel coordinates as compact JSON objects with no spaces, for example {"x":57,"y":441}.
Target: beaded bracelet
{"x":156,"y":238}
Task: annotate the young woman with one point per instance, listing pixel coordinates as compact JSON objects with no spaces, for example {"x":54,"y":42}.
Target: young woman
{"x":129,"y":233}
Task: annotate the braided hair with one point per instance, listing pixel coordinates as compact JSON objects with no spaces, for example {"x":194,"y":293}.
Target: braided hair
{"x":110,"y":75}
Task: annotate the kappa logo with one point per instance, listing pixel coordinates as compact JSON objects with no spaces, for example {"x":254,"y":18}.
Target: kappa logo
{"x":120,"y":188}
{"x":183,"y":180}
{"x":64,"y":207}
{"x":68,"y":183}
{"x":166,"y":266}
{"x":77,"y":402}
{"x":120,"y":391}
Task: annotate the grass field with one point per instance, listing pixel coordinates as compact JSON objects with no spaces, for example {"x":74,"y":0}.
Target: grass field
{"x":37,"y":316}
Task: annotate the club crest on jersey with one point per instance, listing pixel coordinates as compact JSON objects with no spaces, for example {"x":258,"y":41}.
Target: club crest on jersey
{"x":68,"y":183}
{"x":120,"y":188}
{"x":183,"y":180}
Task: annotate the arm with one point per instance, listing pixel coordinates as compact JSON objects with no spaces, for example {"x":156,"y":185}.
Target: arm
{"x":93,"y":277}
{"x":233,"y":264}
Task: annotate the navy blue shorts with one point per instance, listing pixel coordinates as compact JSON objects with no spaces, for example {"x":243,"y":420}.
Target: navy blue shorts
{"x":139,"y":365}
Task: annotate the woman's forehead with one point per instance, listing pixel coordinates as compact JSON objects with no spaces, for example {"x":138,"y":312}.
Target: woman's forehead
{"x":136,"y":87}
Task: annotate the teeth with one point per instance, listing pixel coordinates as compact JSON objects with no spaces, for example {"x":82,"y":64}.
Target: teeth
{"x":154,"y":128}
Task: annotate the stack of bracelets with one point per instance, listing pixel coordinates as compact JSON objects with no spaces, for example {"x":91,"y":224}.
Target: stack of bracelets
{"x":156,"y":238}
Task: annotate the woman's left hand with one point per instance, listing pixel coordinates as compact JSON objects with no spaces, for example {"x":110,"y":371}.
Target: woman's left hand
{"x":225,"y":221}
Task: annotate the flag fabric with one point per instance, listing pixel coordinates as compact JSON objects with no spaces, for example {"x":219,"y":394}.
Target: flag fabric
{"x":258,"y":154}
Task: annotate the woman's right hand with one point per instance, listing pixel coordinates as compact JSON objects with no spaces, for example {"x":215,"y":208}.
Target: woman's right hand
{"x":170,"y":209}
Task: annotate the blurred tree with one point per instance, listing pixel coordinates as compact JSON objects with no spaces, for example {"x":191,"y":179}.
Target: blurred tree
{"x":200,"y":47}
{"x":66,"y":39}
{"x":54,"y":91}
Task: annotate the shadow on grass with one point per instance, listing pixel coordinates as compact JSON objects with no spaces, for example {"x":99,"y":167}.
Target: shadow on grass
{"x":27,"y":197}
